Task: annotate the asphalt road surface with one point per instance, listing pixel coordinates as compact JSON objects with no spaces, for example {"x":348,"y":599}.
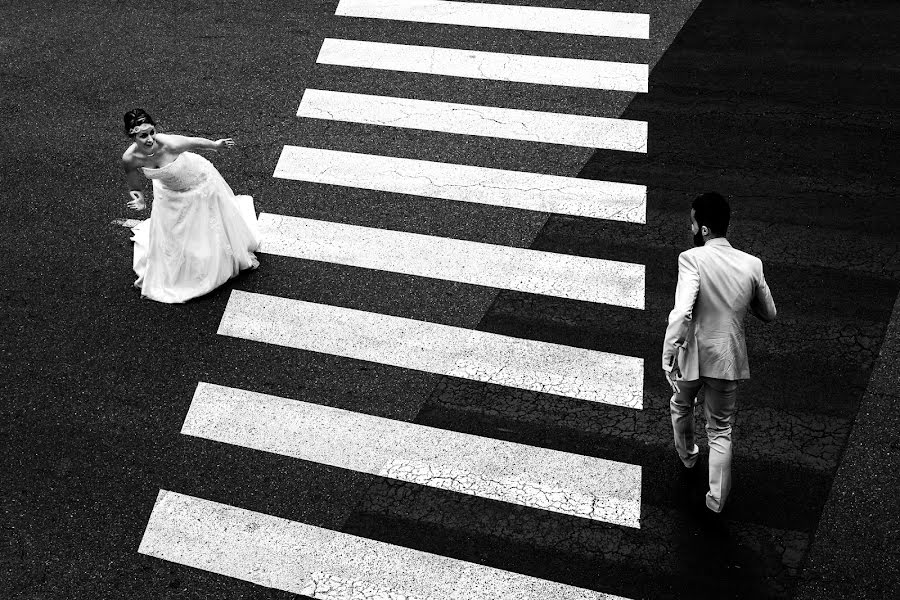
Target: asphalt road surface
{"x":442,"y":381}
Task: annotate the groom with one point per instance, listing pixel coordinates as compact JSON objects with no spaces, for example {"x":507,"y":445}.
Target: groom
{"x":704,"y":345}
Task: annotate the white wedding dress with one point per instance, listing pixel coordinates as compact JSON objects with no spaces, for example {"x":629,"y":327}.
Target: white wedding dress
{"x":199,"y":234}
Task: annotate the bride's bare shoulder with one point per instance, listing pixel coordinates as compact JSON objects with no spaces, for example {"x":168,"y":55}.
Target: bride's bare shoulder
{"x":172,"y":141}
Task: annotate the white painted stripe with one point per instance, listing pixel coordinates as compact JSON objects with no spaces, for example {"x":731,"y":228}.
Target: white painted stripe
{"x":545,"y":70}
{"x":453,"y":351}
{"x":527,"y":18}
{"x":468,"y":119}
{"x":490,"y":265}
{"x":465,"y":183}
{"x":323,"y":563}
{"x":581,"y":486}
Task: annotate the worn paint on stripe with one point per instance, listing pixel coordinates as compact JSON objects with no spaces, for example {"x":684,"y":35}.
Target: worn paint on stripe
{"x":490,"y":265}
{"x":500,"y":16}
{"x":468,"y":119}
{"x":581,"y":486}
{"x":323,"y":563}
{"x":465,"y":183}
{"x":544,"y":70}
{"x":453,"y":351}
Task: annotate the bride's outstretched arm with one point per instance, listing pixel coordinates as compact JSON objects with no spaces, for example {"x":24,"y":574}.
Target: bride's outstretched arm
{"x":182,"y":143}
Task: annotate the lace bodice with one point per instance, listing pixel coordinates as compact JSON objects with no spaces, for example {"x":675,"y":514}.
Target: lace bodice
{"x":187,"y":171}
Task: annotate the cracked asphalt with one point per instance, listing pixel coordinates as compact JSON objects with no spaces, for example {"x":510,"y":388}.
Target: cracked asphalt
{"x":784,"y":106}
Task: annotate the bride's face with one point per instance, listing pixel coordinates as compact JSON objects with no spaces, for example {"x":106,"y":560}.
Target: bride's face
{"x":146,"y":139}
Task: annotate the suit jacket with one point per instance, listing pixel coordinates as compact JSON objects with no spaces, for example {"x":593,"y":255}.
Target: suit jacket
{"x":716,"y":286}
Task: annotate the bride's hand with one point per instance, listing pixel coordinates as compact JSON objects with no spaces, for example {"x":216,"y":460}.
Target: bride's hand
{"x":137,"y":200}
{"x":225,"y":143}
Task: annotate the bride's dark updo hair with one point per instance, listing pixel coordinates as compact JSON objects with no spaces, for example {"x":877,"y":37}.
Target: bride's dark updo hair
{"x":136,"y":118}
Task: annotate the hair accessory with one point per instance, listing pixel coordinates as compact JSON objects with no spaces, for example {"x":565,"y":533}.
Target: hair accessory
{"x":140,"y":128}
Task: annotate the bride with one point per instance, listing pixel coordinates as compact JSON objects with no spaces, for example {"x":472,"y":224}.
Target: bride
{"x":199,"y":234}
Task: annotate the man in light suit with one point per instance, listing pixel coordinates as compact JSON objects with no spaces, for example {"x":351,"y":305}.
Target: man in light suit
{"x":704,"y":345}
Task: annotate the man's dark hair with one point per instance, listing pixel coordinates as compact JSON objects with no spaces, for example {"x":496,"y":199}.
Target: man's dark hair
{"x":712,"y":210}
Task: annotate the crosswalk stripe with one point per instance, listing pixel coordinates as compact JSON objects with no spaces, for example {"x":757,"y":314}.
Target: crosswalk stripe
{"x":465,"y":183}
{"x":572,"y":484}
{"x":527,"y":18}
{"x":468,"y":119}
{"x":442,"y":349}
{"x":322,"y":563}
{"x":545,"y":70}
{"x":490,"y":265}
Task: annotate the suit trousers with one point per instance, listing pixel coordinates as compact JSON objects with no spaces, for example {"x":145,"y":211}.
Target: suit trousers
{"x":721,"y":395}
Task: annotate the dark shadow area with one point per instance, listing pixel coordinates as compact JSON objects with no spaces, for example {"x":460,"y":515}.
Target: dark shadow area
{"x":581,"y":552}
{"x":774,"y":105}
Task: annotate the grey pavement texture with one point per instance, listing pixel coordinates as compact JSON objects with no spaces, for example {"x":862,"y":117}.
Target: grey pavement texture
{"x":856,"y":550}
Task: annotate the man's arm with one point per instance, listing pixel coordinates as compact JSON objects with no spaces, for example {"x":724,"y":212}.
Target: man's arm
{"x":763,"y":306}
{"x":680,"y":318}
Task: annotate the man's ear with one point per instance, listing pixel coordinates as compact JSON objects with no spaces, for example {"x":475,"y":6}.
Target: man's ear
{"x":704,"y":230}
